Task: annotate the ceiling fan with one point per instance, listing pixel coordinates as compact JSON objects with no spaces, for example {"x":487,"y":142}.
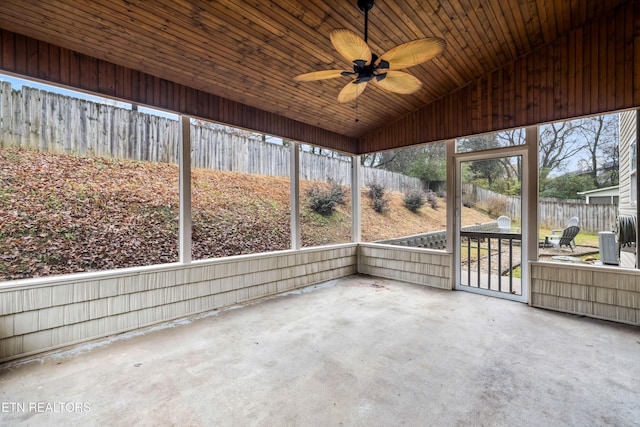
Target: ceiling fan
{"x":367,"y":66}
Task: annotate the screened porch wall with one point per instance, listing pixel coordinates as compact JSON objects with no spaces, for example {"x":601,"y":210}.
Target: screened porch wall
{"x":37,"y":315}
{"x":413,"y":265}
{"x":607,"y":293}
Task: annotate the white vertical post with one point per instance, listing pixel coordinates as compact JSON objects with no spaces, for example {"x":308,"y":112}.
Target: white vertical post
{"x":637,"y":138}
{"x":294,"y":178}
{"x":453,"y":207}
{"x":530,"y":194}
{"x":356,"y":184}
{"x":184,"y":250}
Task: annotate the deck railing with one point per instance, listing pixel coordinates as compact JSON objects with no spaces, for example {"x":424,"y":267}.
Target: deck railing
{"x":489,"y":248}
{"x":435,"y":239}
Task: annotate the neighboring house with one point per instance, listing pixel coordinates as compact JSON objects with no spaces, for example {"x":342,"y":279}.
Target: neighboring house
{"x":628,"y":160}
{"x":628,"y":202}
{"x":602,"y":196}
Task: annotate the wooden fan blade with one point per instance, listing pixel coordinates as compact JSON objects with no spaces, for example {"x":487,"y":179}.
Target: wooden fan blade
{"x":412,"y":53}
{"x":350,"y":45}
{"x":399,"y":82}
{"x":351,"y":91}
{"x":318,"y":75}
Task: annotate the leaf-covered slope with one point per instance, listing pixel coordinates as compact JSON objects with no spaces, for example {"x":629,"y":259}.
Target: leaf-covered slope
{"x":63,"y":214}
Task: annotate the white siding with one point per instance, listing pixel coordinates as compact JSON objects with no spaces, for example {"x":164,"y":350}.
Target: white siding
{"x":627,"y":137}
{"x":37,"y":315}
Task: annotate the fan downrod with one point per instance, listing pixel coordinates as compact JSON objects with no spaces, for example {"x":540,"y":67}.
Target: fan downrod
{"x":365,"y":6}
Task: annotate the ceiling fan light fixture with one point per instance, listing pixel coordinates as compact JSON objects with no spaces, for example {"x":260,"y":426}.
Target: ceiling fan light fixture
{"x":364,"y":79}
{"x":383,"y":65}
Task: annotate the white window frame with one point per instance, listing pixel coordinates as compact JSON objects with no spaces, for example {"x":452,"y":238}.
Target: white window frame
{"x":633,"y":174}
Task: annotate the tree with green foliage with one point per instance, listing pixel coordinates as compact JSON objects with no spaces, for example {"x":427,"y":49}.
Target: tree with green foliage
{"x":565,"y":186}
{"x":484,"y":172}
{"x":429,"y":164}
{"x":426,"y":162}
{"x":397,"y":160}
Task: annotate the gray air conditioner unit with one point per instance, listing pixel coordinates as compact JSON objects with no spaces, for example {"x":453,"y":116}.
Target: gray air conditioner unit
{"x":608,"y":247}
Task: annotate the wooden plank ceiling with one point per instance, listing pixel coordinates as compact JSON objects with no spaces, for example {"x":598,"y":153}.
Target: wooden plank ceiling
{"x":249,"y":50}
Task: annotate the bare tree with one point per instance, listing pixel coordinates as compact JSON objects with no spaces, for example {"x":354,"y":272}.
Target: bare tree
{"x":601,"y":135}
{"x":370,"y":160}
{"x":558,"y":143}
{"x":398,"y":160}
{"x":511,"y":138}
{"x":323,"y":152}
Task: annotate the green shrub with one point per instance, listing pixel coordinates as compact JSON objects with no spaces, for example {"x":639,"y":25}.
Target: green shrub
{"x":381,"y":205}
{"x":414,"y":200}
{"x":469,"y":200}
{"x":325,"y":201}
{"x":496,"y":206}
{"x":432,"y":198}
{"x":376,"y":191}
{"x":379,"y":200}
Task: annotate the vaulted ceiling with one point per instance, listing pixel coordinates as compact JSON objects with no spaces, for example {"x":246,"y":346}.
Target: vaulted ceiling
{"x":248,"y":51}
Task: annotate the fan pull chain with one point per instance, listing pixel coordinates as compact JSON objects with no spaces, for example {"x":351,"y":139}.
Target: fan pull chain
{"x":357,"y":120}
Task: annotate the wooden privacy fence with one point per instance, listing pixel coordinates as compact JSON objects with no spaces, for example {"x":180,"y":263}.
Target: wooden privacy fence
{"x":553,"y":213}
{"x":54,"y":123}
{"x":592,"y":218}
{"x":51,"y":122}
{"x":489,"y":201}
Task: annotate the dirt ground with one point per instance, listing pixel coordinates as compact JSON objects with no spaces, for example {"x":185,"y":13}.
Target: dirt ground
{"x":63,"y":214}
{"x":399,"y":221}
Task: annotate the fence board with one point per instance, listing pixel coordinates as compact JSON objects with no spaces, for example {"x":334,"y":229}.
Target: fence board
{"x":40,"y":120}
{"x":552,"y":213}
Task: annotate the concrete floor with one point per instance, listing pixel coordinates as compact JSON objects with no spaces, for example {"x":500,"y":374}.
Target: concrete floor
{"x":357,"y":351}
